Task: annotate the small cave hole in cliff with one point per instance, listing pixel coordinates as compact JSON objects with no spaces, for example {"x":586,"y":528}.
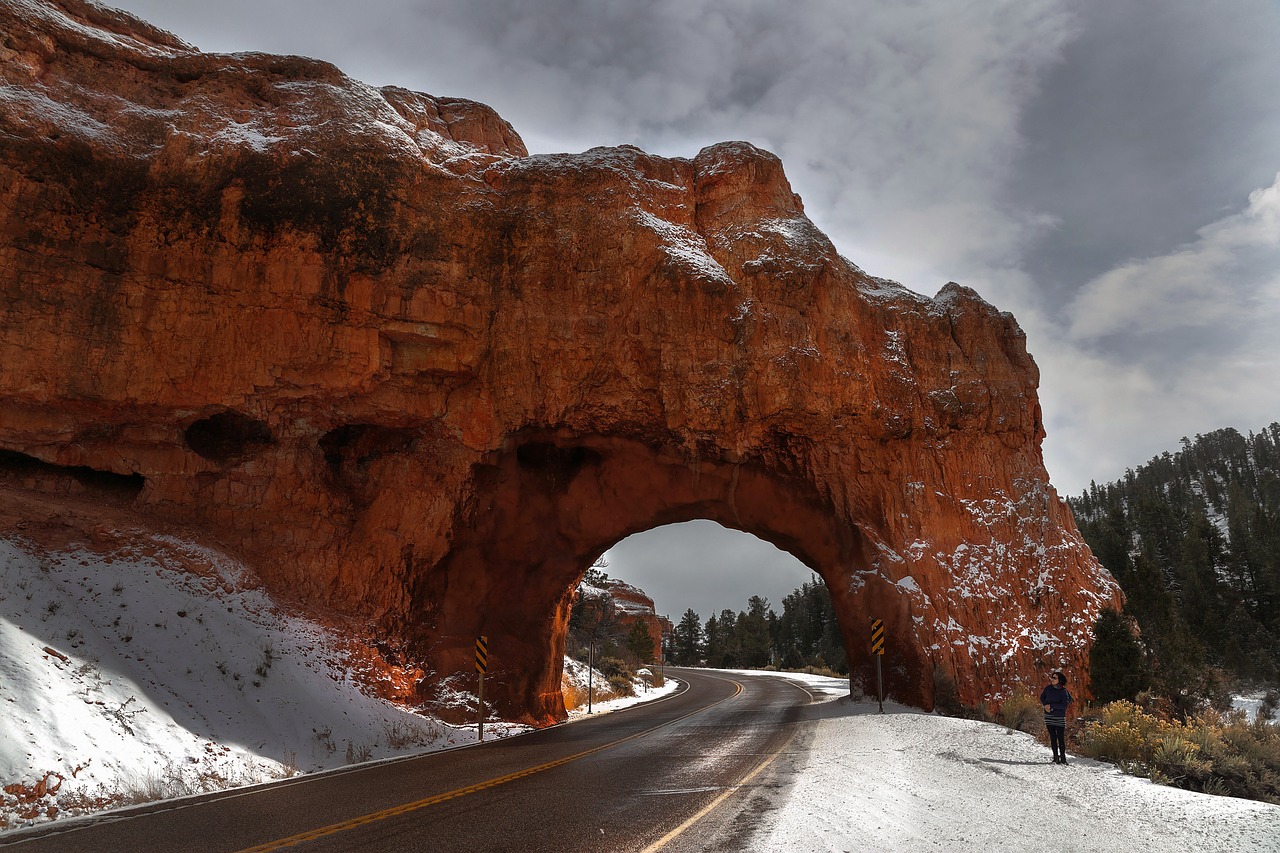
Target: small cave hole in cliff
{"x":352,"y":452}
{"x":27,"y":471}
{"x":228,"y":437}
{"x":716,"y":572}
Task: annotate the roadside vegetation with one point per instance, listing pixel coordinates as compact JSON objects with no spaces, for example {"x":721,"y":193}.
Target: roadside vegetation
{"x":618,"y":645}
{"x":1210,"y":751}
{"x":1193,"y":537}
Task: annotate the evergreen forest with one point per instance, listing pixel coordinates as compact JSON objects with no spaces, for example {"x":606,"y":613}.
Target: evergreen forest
{"x":1193,"y":537}
{"x":806,"y":635}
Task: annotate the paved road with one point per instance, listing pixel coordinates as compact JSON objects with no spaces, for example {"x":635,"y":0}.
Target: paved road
{"x":688,"y":772}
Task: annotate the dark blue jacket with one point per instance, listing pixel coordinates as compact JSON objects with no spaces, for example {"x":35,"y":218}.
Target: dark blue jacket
{"x":1057,"y":698}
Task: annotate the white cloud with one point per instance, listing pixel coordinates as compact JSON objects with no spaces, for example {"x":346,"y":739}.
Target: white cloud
{"x":1166,"y":347}
{"x":1229,"y":279}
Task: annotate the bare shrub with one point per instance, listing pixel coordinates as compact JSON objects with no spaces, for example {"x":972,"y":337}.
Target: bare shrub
{"x":404,"y":733}
{"x":324,"y":737}
{"x":1022,"y":712}
{"x":358,"y":754}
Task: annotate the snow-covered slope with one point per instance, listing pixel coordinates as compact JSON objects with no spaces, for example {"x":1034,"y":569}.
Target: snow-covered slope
{"x":155,"y":668}
{"x":124,"y":678}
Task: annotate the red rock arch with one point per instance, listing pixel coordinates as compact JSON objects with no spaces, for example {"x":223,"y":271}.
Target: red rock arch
{"x":551,"y":502}
{"x":458,"y":373}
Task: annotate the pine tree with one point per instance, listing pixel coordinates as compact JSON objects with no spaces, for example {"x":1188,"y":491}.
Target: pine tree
{"x":1116,"y":669}
{"x":687,"y":640}
{"x":730,"y":653}
{"x":716,"y":642}
{"x":755,"y":649}
{"x":640,"y":642}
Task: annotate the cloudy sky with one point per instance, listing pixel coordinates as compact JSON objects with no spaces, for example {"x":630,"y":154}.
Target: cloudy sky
{"x":1109,"y":172}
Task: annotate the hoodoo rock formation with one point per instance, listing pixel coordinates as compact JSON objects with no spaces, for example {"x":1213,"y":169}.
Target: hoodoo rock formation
{"x":421,"y":380}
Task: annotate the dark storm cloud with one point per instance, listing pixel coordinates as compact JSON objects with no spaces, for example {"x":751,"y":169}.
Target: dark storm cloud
{"x":1162,"y":117}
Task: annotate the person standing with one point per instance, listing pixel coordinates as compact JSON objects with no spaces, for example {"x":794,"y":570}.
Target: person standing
{"x":1055,"y":698}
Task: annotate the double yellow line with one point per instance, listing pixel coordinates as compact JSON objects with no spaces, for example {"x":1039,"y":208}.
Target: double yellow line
{"x":394,"y":811}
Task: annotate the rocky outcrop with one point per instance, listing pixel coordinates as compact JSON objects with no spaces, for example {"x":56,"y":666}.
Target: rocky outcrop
{"x":422,"y":381}
{"x":622,"y":606}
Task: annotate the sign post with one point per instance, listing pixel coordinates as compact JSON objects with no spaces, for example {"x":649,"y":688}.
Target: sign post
{"x":482,"y":666}
{"x":591,"y":671}
{"x":877,"y":649}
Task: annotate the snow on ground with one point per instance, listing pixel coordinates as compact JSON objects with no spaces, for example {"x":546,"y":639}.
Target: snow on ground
{"x":123,"y":679}
{"x":905,"y":780}
{"x":575,"y":673}
{"x":1251,"y":704}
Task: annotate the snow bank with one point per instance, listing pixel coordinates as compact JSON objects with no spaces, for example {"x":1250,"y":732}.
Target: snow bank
{"x":575,"y":674}
{"x":910,"y":781}
{"x":122,"y":679}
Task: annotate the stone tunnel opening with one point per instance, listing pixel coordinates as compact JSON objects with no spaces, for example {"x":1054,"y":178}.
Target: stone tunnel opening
{"x":543,"y":509}
{"x":757,"y":604}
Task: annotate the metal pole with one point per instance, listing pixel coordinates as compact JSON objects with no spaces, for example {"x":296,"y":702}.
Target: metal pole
{"x":879,"y":684}
{"x":591,"y":671}
{"x":481,"y":727}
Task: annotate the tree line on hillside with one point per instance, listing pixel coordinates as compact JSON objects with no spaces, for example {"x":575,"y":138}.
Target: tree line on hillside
{"x":1193,"y":538}
{"x":805,"y":635}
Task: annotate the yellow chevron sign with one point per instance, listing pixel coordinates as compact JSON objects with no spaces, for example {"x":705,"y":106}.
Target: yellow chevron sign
{"x":482,"y":654}
{"x":877,"y":636}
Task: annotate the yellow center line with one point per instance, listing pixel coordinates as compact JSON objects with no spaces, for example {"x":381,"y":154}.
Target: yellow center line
{"x":679,"y":830}
{"x":373,"y":817}
{"x":682,"y":828}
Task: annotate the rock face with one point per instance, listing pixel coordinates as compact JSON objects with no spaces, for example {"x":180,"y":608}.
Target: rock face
{"x":422,"y":381}
{"x":627,"y":605}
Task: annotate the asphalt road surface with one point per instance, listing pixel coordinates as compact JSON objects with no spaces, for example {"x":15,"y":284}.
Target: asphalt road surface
{"x":690,"y":772}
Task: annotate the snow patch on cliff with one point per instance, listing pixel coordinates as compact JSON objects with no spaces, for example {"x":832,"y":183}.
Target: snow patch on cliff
{"x":686,"y":249}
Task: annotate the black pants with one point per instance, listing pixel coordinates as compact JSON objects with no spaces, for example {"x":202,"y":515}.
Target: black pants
{"x":1058,"y":739}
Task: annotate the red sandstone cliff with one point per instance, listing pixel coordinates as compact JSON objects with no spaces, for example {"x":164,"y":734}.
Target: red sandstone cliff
{"x":421,"y":380}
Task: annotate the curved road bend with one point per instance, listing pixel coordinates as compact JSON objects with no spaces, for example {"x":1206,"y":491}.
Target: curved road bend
{"x":684,"y":773}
